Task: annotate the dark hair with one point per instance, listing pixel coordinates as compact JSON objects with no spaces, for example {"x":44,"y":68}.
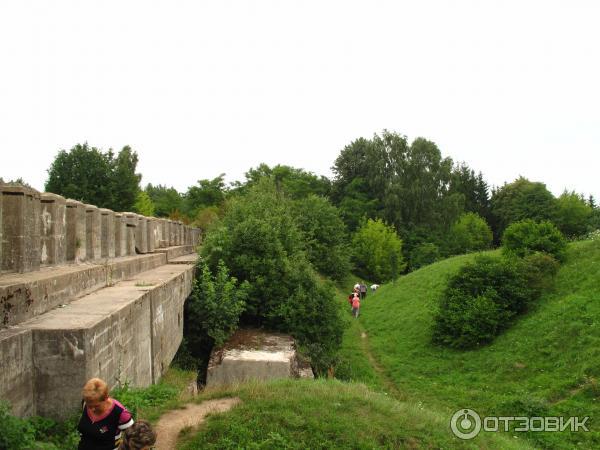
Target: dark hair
{"x":138,"y":436}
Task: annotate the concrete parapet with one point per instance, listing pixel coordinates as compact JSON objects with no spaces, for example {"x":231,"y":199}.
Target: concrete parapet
{"x":93,"y":246}
{"x":106,"y":335}
{"x":76,"y":231}
{"x":132,"y":221}
{"x":53,"y":230}
{"x":20,"y":229}
{"x":141,"y":235}
{"x":107,"y":233}
{"x":150,"y":234}
{"x":120,"y":235}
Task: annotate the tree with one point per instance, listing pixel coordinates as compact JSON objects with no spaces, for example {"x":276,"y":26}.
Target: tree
{"x":470,"y":233}
{"x":87,"y":174}
{"x":143,"y":204}
{"x":572,"y":214}
{"x":206,"y":193}
{"x":324,"y":235}
{"x":125,"y":183}
{"x":519,"y":200}
{"x":166,"y":200}
{"x":473,"y":188}
{"x":296,"y":183}
{"x":83,"y":173}
{"x":377,"y":251}
{"x":527,"y":236}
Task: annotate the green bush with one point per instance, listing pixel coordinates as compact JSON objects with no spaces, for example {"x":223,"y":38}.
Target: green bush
{"x":15,"y":433}
{"x":527,"y":236}
{"x":482,"y":299}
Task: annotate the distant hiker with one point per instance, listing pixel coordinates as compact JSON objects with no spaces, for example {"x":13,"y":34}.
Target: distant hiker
{"x":350,"y":297}
{"x":374,"y":287}
{"x":357,"y":287}
{"x":355,"y":306}
{"x":103,"y":418}
{"x":139,"y":436}
{"x":363,"y":291}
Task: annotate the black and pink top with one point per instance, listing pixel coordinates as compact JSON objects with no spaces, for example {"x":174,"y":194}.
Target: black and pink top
{"x":103,"y":432}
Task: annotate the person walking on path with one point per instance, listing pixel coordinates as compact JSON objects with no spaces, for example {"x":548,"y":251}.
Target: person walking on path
{"x":103,"y":418}
{"x":355,"y":305}
{"x":363,"y":291}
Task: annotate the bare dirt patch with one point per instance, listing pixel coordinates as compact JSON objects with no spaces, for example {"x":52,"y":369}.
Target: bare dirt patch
{"x":190,"y":416}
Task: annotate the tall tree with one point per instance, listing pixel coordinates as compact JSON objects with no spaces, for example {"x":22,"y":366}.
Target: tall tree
{"x":206,"y":193}
{"x":165,"y":199}
{"x":87,"y":174}
{"x":519,"y":200}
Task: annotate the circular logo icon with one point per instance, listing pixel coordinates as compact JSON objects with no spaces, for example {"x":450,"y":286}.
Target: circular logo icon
{"x":465,"y":424}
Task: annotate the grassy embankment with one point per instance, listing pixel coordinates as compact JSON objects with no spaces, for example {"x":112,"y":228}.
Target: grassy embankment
{"x":546,"y":364}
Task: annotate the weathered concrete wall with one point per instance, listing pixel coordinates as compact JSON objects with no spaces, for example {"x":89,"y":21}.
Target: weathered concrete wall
{"x":76,"y":231}
{"x":53,"y":231}
{"x":16,"y":370}
{"x":107,"y":233}
{"x":20,"y":229}
{"x":93,"y":245}
{"x":176,"y":251}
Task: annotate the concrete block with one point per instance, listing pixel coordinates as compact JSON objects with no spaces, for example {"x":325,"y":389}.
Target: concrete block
{"x":93,"y":233}
{"x":165,"y":233}
{"x":150,"y":234}
{"x":141,"y":235}
{"x":107,"y":233}
{"x":16,"y":371}
{"x":132,"y":221}
{"x":76,"y":231}
{"x":176,"y":251}
{"x":120,"y":235}
{"x":53,"y":229}
{"x":20,"y":229}
{"x":253,"y":354}
{"x":1,"y":226}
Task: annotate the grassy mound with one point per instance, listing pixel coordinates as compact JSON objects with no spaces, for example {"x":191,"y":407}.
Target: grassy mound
{"x":321,"y":414}
{"x":546,"y":364}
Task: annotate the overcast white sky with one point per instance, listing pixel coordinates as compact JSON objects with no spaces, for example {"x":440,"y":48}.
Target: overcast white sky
{"x":198,"y":88}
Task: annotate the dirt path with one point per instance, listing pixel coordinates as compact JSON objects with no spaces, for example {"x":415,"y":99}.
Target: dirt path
{"x":191,"y":415}
{"x":389,"y":384}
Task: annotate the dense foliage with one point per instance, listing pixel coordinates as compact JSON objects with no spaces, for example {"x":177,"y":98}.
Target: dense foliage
{"x":143,"y":204}
{"x":260,"y":242}
{"x":527,"y":236}
{"x":377,"y":251}
{"x":324,"y":235}
{"x":470,"y":233}
{"x":87,"y":174}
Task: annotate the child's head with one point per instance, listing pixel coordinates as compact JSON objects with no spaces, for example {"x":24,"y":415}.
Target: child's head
{"x":139,"y":436}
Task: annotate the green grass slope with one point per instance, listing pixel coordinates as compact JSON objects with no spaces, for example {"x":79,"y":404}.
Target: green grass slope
{"x":326,"y":414}
{"x":547,"y":363}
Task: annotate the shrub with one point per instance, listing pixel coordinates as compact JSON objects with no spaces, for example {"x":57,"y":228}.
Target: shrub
{"x":481,"y":300}
{"x":527,"y":236}
{"x":423,"y":255}
{"x":470,"y":233}
{"x":573,"y":214}
{"x":15,"y":433}
{"x":540,"y":270}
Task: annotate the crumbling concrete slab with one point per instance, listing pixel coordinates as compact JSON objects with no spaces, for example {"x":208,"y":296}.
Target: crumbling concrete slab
{"x":192,"y":258}
{"x":23,"y":296}
{"x":176,"y":251}
{"x":253,"y":354}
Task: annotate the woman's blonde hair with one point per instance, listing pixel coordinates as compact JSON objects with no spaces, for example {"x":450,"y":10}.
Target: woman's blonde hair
{"x":138,"y":436}
{"x":95,"y":390}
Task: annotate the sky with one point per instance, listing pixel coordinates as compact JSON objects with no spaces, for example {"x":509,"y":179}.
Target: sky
{"x":200,"y":88}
